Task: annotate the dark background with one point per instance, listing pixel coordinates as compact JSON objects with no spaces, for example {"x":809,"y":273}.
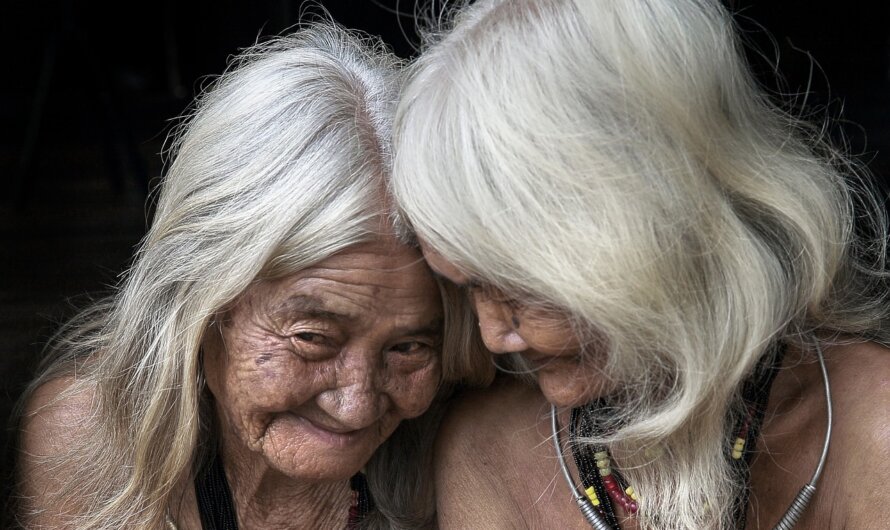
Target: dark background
{"x":89,"y":89}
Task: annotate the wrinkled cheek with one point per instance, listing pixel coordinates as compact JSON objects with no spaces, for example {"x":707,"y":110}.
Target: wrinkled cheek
{"x":246,"y":426}
{"x":255,"y":429}
{"x":282,"y":443}
{"x":413,"y":395}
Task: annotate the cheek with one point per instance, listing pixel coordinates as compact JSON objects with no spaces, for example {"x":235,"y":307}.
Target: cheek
{"x":411,"y":393}
{"x":551,"y":338}
{"x":255,"y":391}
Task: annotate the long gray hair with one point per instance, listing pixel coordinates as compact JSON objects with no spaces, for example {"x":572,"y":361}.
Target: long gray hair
{"x":615,"y":159}
{"x":280,"y":164}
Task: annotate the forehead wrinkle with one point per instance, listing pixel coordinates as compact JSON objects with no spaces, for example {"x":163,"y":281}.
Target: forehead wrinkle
{"x":309,"y":305}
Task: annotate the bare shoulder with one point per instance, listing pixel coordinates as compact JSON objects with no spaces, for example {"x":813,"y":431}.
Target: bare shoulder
{"x":469,"y":456}
{"x":55,"y":412}
{"x":859,"y":452}
{"x":860,"y":384}
{"x":55,"y":417}
{"x":494,"y":462}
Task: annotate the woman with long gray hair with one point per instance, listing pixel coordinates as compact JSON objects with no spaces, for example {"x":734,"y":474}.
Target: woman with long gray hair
{"x":272,"y":333}
{"x":668,"y":262}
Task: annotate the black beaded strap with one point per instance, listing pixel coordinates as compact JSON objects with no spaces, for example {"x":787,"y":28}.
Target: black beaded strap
{"x":581,"y":426}
{"x":215,"y":503}
{"x":755,"y":394}
{"x":362,"y":503}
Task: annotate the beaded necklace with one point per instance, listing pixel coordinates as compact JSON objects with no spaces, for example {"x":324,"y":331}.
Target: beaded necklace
{"x":604,"y":485}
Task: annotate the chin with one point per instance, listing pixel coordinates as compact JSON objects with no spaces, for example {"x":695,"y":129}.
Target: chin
{"x":570,"y":390}
{"x":322,"y":469}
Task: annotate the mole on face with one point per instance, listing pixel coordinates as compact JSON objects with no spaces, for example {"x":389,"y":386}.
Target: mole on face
{"x":263,"y":358}
{"x":515,"y":320}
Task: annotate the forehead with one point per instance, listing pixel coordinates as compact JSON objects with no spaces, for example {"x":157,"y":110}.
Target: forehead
{"x":442,"y":266}
{"x":376,"y":280}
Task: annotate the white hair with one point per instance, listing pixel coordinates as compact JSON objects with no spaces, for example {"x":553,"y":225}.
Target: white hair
{"x":616,"y":159}
{"x":280,"y":165}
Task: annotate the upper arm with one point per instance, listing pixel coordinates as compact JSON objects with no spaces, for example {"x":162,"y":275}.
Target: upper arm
{"x":55,"y":419}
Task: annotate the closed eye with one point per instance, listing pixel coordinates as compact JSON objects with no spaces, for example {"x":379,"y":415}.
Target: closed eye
{"x":410,"y":347}
{"x":311,"y":338}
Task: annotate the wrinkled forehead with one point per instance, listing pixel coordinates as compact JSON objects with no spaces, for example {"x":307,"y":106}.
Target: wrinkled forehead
{"x":380,"y":279}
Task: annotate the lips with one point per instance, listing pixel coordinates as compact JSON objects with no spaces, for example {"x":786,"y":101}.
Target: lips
{"x":334,"y":430}
{"x":330,"y":435}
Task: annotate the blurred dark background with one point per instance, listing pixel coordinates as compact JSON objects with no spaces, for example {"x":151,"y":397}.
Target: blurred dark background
{"x":90,"y":88}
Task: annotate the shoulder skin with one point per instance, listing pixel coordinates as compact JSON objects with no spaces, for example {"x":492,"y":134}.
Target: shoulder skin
{"x":849,"y":494}
{"x":495,"y":465}
{"x":54,"y":418}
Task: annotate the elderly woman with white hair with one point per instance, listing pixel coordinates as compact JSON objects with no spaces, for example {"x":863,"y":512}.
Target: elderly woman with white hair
{"x":669,"y":262}
{"x":273,"y":332}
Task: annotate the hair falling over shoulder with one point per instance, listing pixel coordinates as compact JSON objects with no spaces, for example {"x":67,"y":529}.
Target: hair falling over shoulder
{"x":617,"y":159}
{"x":278,"y":165}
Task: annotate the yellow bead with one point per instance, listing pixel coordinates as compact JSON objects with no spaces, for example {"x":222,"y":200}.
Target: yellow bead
{"x":591,"y":494}
{"x":605,"y":471}
{"x":631,"y":493}
{"x":600,"y":455}
{"x":602,"y":463}
{"x":736,"y":455}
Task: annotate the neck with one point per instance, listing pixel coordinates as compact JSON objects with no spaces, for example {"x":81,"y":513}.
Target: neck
{"x":266,"y":498}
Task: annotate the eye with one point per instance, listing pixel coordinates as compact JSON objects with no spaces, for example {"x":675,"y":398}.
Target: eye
{"x":314,"y":346}
{"x":310,"y":338}
{"x":410,"y":347}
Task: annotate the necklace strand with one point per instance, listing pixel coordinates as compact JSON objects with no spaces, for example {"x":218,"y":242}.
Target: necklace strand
{"x":602,"y":485}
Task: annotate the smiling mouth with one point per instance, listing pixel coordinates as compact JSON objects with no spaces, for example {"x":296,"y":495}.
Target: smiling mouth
{"x":337,"y":437}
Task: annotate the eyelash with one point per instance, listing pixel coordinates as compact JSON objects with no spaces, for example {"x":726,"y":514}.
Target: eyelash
{"x":303,"y":337}
{"x":311,"y":341}
{"x":310,"y":338}
{"x":420,"y":347}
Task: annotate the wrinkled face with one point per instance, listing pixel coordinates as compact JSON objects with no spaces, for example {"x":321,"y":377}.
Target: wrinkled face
{"x":544,"y":338}
{"x":313,"y":371}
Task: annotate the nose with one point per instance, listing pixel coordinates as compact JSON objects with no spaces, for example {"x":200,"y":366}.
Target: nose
{"x":496,"y":327}
{"x":355,"y":401}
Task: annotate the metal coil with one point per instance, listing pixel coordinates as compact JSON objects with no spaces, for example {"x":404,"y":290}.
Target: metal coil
{"x":795,"y":511}
{"x":591,"y":515}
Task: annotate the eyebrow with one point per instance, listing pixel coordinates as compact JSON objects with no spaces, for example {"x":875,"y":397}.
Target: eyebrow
{"x":315,"y":308}
{"x":309,"y":306}
{"x":433,"y":329}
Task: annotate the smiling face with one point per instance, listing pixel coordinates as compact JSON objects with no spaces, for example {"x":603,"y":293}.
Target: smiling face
{"x":543,"y":337}
{"x":312,"y":372}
